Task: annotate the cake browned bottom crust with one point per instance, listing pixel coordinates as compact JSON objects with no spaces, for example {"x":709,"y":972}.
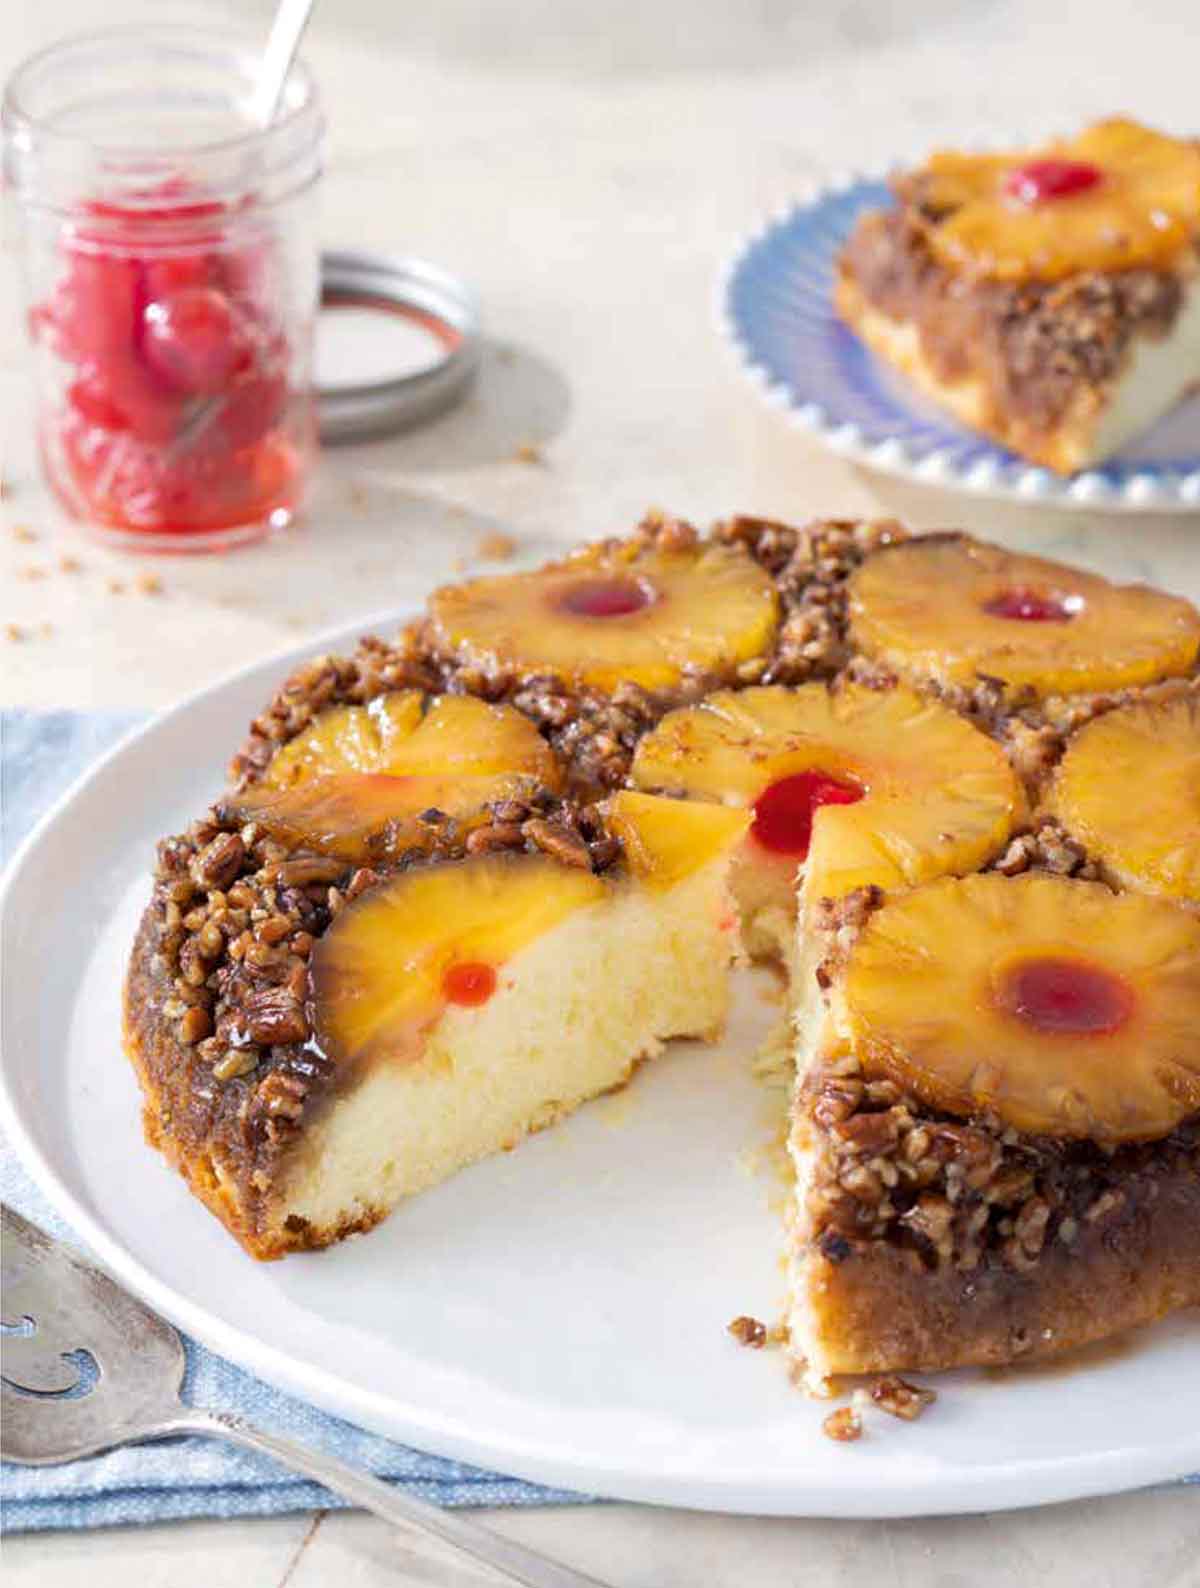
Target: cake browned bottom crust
{"x":221,"y":1137}
{"x":972,"y":1283}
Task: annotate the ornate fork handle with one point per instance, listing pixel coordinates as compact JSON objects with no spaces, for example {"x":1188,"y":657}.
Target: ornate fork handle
{"x":392,"y":1504}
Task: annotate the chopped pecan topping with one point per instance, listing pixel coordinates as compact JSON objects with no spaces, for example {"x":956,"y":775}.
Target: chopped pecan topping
{"x":272,"y":1015}
{"x":749,"y":1331}
{"x":219,"y":862}
{"x":195,"y":1025}
{"x":304,"y":870}
{"x":559,"y":841}
{"x":495,"y":837}
{"x":899,"y":1398}
{"x":1046,"y":848}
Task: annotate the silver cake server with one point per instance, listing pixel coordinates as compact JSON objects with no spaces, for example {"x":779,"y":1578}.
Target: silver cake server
{"x":86,"y":1367}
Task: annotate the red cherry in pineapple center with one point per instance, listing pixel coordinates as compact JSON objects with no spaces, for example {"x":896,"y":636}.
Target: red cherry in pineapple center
{"x":1022,"y":605}
{"x":606,"y":598}
{"x":783,"y":813}
{"x":470,"y":983}
{"x":1039,"y":181}
{"x":1065,"y":997}
{"x":192,"y":339}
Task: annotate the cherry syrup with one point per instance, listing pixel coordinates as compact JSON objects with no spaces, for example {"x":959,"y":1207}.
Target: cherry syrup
{"x":1066,"y":997}
{"x":606,"y":598}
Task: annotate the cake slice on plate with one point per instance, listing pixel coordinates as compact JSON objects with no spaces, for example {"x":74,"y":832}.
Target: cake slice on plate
{"x":1049,"y":298}
{"x":996,"y":1132}
{"x":448,"y":1006}
{"x":996,"y":1123}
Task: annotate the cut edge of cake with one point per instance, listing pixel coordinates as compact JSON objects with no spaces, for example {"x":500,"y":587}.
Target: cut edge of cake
{"x":550,"y":1037}
{"x":1158,"y":373}
{"x":874,"y":1305}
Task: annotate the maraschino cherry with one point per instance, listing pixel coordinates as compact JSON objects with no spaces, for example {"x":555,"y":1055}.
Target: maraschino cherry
{"x":1042,"y":181}
{"x":606,"y":598}
{"x":193,"y":339}
{"x":1066,"y":997}
{"x":783,"y":813}
{"x":1022,"y":605}
{"x":469,"y":984}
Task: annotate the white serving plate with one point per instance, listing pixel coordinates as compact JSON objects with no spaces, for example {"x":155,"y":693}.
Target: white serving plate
{"x":557,"y":1313}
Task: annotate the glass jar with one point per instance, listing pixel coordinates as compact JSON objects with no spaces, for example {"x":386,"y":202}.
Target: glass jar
{"x":172,"y":274}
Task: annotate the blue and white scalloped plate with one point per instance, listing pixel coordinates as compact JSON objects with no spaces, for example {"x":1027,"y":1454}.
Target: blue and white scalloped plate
{"x":776,"y":310}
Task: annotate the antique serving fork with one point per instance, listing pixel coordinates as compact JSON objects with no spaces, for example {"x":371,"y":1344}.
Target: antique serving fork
{"x":87,"y":1367}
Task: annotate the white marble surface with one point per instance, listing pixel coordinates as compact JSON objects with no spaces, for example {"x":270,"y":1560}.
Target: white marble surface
{"x":588,"y":167}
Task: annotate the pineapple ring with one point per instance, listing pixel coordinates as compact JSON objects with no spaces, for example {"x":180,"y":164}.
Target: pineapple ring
{"x":368,"y":817}
{"x":612,"y":614}
{"x":937,"y":794}
{"x":941,"y":609}
{"x":397,"y":955}
{"x":1151,"y":842}
{"x":347,"y":739}
{"x":356,"y":781}
{"x":1143,"y":211}
{"x":432,"y":935}
{"x":395,"y":734}
{"x":950,"y":990}
{"x":664,"y":844}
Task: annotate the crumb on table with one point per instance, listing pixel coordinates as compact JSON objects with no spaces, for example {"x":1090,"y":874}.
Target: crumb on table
{"x":496,"y":547}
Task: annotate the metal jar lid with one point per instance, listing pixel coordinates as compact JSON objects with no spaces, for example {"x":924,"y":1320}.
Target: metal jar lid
{"x":397,"y":343}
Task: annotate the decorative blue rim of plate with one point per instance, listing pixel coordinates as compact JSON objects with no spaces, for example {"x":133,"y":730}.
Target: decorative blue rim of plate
{"x":775,"y":308}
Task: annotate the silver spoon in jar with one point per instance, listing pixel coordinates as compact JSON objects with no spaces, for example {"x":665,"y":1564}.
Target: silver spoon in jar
{"x":283,"y":42}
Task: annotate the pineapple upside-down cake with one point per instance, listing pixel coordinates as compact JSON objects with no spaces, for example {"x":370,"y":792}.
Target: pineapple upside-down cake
{"x":953,"y":790}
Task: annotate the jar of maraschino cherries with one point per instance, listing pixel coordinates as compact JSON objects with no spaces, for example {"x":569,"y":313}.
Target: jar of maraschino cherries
{"x":172,"y":273}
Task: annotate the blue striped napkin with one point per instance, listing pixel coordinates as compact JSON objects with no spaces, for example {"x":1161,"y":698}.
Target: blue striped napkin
{"x":40,"y":754}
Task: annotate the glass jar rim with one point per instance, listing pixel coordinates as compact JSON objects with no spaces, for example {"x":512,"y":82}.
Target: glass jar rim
{"x":20,"y":121}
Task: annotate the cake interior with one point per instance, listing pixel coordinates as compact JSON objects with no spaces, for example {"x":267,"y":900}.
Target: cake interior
{"x":1159,"y":374}
{"x":554,"y":1034}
